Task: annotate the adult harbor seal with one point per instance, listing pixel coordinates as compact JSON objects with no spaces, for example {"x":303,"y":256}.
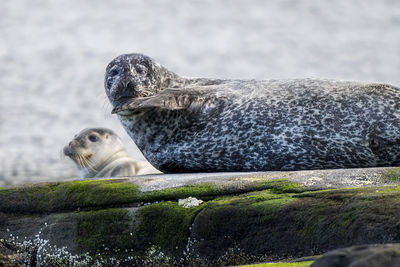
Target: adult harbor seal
{"x":200,"y":125}
{"x":99,"y":152}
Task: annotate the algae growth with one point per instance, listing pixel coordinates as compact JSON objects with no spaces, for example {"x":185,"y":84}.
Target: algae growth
{"x":50,"y":197}
{"x":165,"y":225}
{"x":267,"y":220}
{"x":298,"y":224}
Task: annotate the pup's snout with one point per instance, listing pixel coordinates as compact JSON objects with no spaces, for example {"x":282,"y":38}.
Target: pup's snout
{"x":67,"y":150}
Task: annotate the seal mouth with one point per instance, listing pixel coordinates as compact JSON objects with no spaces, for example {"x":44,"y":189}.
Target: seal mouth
{"x":73,"y":155}
{"x":83,"y":160}
{"x":127,"y":106}
{"x":121,"y":107}
{"x":124,"y":111}
{"x":127,"y":93}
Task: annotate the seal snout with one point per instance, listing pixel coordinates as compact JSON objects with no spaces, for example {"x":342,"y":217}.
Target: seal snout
{"x":70,"y":149}
{"x":67,"y":150}
{"x":122,"y":93}
{"x":129,"y":85}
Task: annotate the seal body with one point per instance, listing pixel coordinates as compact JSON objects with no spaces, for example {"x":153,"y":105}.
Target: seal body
{"x":99,"y":152}
{"x":197,"y":125}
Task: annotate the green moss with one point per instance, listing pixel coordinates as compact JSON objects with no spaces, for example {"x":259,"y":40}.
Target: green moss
{"x":264,"y":202}
{"x":104,"y":193}
{"x":280,"y":186}
{"x":108,"y":228}
{"x":334,"y":218}
{"x":240,"y":221}
{"x":210,"y":190}
{"x":297,"y":224}
{"x":101,"y":192}
{"x":67,"y":196}
{"x":281,"y":264}
{"x":207,"y":190}
{"x":387,"y":190}
{"x":165,"y":225}
{"x":335,"y":193}
{"x":348,"y":219}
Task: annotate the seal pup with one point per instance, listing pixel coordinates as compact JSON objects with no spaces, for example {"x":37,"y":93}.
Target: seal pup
{"x":99,"y":152}
{"x":206,"y":125}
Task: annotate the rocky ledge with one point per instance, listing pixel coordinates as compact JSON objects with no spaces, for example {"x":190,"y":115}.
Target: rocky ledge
{"x":199,"y":219}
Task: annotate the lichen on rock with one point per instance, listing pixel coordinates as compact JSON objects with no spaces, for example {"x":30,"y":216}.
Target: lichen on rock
{"x":189,"y":202}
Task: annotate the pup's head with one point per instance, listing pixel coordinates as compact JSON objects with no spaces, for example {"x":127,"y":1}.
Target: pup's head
{"x":92,"y":146}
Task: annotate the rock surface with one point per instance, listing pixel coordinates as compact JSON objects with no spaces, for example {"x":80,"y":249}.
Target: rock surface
{"x":387,"y":255}
{"x":244,"y":217}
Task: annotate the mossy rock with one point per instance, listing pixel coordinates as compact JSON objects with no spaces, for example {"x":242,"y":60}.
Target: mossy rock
{"x":67,"y":196}
{"x":297,"y":224}
{"x":377,"y":255}
{"x":164,"y":225}
{"x":254,"y":219}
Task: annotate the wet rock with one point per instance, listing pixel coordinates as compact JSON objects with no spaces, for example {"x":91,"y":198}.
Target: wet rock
{"x":383,"y":255}
{"x":238,"y":217}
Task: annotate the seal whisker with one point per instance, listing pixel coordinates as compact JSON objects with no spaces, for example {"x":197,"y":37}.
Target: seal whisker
{"x":105,"y":102}
{"x":79,"y":161}
{"x":85,"y":161}
{"x":82,"y":161}
{"x":87,"y":164}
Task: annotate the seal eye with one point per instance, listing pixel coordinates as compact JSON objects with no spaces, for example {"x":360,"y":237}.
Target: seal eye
{"x":93,"y":138}
{"x":140,"y":69}
{"x":114,"y":72}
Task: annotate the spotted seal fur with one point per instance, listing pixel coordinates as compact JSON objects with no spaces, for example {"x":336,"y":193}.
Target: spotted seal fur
{"x":99,"y":152}
{"x":205,"y":125}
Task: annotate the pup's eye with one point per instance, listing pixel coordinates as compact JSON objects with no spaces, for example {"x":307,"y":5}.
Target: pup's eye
{"x":93,"y":138}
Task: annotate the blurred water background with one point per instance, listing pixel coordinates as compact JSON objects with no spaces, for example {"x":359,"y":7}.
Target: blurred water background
{"x":53,"y":55}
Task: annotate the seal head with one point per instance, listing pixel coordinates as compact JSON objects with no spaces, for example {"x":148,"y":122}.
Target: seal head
{"x":99,"y":152}
{"x":135,"y":76}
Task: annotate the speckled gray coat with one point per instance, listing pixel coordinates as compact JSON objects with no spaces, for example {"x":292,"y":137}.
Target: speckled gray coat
{"x":199,"y":125}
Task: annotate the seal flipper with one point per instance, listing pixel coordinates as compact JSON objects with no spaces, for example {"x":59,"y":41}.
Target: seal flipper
{"x":385,"y":148}
{"x":170,"y":99}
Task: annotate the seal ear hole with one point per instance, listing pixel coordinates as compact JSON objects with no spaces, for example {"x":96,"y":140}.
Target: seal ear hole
{"x":93,"y":138}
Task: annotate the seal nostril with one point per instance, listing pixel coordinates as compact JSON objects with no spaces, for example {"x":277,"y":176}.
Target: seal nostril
{"x":67,"y":151}
{"x":130,"y":85}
